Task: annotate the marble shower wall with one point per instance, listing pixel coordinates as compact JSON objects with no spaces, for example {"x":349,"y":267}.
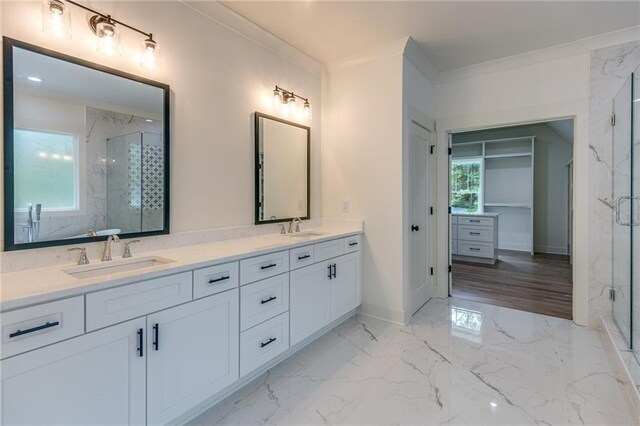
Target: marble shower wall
{"x":610,"y":68}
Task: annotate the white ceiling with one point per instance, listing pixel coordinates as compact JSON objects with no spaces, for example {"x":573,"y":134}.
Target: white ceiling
{"x":451,"y":33}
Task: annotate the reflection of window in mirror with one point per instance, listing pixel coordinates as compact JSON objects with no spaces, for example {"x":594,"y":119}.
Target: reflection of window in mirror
{"x":46,"y":170}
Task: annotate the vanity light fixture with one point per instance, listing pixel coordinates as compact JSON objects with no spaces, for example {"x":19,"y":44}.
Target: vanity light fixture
{"x":286,"y":101}
{"x":56,"y":21}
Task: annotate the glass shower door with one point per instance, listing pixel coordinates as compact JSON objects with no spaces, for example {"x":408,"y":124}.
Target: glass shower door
{"x":621,"y":230}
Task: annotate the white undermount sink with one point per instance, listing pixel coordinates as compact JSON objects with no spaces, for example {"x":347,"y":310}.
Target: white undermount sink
{"x":307,"y":234}
{"x":116,"y":266}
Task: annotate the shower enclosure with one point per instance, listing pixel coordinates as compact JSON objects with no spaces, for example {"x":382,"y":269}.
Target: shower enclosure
{"x":625,"y":294}
{"x":135,"y":182}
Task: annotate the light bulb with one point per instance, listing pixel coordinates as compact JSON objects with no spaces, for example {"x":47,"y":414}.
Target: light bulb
{"x":150,"y":55}
{"x":56,"y":19}
{"x":277,"y":98}
{"x":108,"y":37}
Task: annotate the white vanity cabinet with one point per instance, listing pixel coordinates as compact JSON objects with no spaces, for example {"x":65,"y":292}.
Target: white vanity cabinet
{"x":322,"y":293}
{"x":192,"y":353}
{"x":97,"y":378}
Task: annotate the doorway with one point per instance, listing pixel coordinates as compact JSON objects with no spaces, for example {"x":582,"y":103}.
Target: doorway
{"x":511,"y":216}
{"x":420,"y":195}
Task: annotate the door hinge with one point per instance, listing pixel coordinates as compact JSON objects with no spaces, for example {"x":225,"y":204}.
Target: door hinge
{"x":431,"y":210}
{"x":431,"y":149}
{"x":449,"y":151}
{"x":613,"y":119}
{"x":449,"y":268}
{"x":431,"y":270}
{"x":449,"y":209}
{"x":612,"y":295}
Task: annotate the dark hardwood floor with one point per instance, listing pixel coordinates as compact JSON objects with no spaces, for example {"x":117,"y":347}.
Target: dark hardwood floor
{"x":540,"y":283}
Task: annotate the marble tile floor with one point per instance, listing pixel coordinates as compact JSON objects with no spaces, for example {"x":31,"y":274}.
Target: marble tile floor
{"x":457,"y":362}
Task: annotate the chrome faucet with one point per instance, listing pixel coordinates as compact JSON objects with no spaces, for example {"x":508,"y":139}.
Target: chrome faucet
{"x":297,"y":221}
{"x":32,"y":225}
{"x":83,"y":260}
{"x":127,"y":251}
{"x":106,"y":254}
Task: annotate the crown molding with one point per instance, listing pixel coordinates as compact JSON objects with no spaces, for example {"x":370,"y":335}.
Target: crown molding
{"x":387,"y":50}
{"x":231,"y":20}
{"x":574,"y":48}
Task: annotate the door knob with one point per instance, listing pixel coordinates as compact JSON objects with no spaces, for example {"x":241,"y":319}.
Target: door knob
{"x":415,"y":228}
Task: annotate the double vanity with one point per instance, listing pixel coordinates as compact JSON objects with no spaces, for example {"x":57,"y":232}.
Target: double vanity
{"x":163,"y":335}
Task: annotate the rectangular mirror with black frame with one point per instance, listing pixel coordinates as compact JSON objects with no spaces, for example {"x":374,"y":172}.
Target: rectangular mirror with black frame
{"x":86,"y":150}
{"x":282,"y":169}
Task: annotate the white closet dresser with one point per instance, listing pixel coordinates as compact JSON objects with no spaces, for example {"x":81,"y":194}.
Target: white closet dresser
{"x":474,"y":237}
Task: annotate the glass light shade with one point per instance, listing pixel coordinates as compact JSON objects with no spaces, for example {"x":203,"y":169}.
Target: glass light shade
{"x":108,"y":36}
{"x":277,"y":98}
{"x":306,"y":110}
{"x":56,"y":19}
{"x":150,"y":55}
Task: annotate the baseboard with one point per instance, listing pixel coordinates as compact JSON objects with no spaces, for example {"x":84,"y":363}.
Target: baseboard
{"x":632,"y":390}
{"x":383,"y":313}
{"x":551,"y":249}
{"x":230,"y":391}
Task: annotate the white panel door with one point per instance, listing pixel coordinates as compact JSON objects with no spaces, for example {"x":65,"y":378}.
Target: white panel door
{"x":309,"y":300}
{"x":344,"y":285}
{"x":94,"y":379}
{"x":419,"y":194}
{"x":192,"y":354}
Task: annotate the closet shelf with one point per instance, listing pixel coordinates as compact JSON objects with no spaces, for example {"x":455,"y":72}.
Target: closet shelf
{"x":513,"y":205}
{"x":517,"y":154}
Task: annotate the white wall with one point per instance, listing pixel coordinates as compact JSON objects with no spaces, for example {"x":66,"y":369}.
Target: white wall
{"x":552,"y":153}
{"x":218,"y":78}
{"x":362,"y":164}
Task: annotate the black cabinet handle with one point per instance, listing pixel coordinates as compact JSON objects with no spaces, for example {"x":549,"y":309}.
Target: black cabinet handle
{"x":306,"y":256}
{"x":34,"y":329}
{"x":330,"y":272}
{"x":474,"y":220}
{"x":263,"y":301}
{"x":156,"y":336}
{"x":335,"y":269}
{"x":273,"y":265}
{"x":268,"y":342}
{"x":415,"y":228}
{"x":474,"y":233}
{"x":217,"y":280}
{"x":140,"y":342}
{"x":474,"y":249}
{"x":353,"y":244}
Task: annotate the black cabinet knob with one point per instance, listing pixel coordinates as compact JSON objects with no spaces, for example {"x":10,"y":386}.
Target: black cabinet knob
{"x":415,"y":228}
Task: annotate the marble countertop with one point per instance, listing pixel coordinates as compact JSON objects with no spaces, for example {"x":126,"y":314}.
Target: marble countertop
{"x":33,"y":286}
{"x":477,"y":214}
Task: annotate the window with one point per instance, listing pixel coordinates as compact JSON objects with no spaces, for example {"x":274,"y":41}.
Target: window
{"x":46,"y":170}
{"x":466,"y":186}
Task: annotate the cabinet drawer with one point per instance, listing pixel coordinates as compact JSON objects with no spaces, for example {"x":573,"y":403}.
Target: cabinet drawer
{"x":351,"y":244}
{"x":475,"y":233}
{"x":475,"y":249}
{"x":263,"y":343}
{"x":30,"y":328}
{"x":263,"y":300}
{"x":261,"y":267}
{"x":130,"y":301}
{"x":454,"y":232}
{"x":327,"y":250}
{"x":215,"y":279}
{"x":478,"y":221}
{"x":300,"y":257}
{"x":454,"y":219}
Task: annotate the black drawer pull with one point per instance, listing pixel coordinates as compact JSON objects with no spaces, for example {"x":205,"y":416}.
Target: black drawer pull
{"x":306,"y":256}
{"x":140,"y":342}
{"x":335,"y":269}
{"x":273,"y":265}
{"x":474,"y":221}
{"x":474,"y":233}
{"x":263,"y":301}
{"x":330,"y":271}
{"x":34,"y":329}
{"x":474,"y":248}
{"x":353,"y":244}
{"x":156,"y":336}
{"x":217,"y":280}
{"x":268,"y":342}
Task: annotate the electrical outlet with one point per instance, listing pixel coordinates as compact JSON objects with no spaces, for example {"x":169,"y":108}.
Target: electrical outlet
{"x":345,"y":206}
